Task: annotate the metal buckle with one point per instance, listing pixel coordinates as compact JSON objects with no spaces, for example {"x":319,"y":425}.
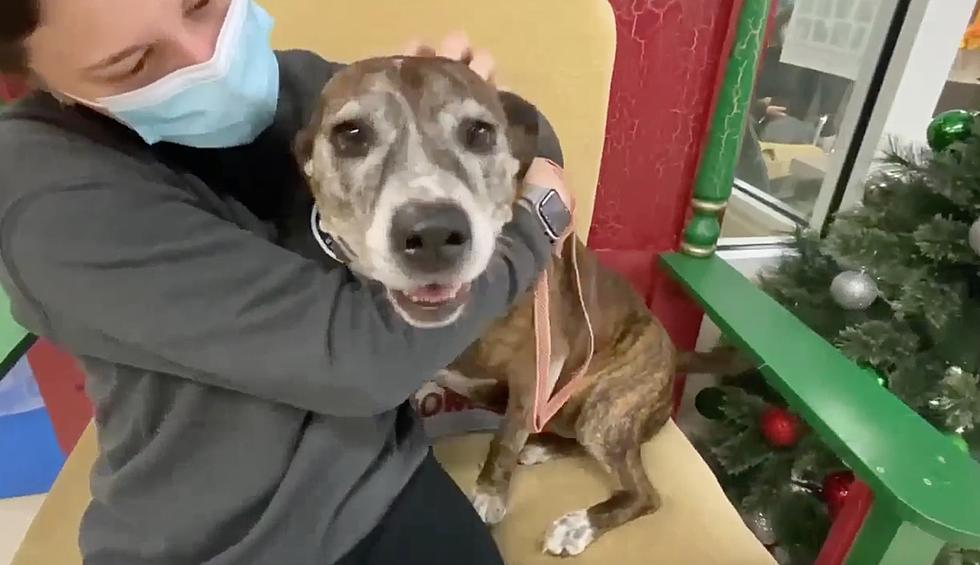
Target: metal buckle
{"x":326,"y":241}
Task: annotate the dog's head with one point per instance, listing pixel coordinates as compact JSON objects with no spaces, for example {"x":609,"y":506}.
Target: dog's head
{"x":414,"y":165}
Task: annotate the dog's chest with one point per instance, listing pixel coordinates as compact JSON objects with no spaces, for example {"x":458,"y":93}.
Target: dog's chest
{"x":506,"y":349}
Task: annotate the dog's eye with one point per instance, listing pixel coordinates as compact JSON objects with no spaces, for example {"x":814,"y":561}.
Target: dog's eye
{"x":478,"y":136}
{"x":352,"y":139}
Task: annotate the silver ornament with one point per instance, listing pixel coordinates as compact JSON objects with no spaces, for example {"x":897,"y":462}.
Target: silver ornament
{"x":975,"y":237}
{"x":854,"y":290}
{"x":759,"y":524}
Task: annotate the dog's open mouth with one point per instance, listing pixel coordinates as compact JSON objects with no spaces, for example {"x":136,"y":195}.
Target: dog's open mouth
{"x":431,"y":305}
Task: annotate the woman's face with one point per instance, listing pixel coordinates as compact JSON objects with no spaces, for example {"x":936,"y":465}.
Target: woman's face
{"x":90,"y":49}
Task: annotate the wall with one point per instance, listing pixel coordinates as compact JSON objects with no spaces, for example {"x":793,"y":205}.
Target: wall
{"x":933,"y":51}
{"x":913,"y":81}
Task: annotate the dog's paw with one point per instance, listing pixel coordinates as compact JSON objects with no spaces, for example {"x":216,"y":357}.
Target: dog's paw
{"x":533,"y":454}
{"x":490,"y":506}
{"x":570,"y":534}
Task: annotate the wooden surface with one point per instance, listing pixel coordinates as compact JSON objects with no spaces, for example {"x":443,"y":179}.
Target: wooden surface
{"x":670,"y":60}
{"x":16,"y":515}
{"x":695,"y":525}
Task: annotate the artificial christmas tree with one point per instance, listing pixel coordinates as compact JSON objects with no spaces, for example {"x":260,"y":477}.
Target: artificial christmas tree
{"x":896,"y":286}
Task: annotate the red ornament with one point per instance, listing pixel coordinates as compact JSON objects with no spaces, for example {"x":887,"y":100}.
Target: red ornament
{"x":780,"y":427}
{"x":836,"y":487}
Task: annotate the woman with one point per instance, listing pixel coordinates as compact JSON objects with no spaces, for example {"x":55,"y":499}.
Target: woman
{"x":250,"y":406}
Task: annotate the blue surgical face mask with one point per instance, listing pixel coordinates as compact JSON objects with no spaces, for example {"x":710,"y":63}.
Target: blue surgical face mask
{"x":224,"y":102}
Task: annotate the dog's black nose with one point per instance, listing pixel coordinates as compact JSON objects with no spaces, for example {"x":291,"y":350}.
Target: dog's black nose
{"x":430,"y":237}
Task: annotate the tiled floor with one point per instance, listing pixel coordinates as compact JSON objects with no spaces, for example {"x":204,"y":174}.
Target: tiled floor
{"x":15,"y":515}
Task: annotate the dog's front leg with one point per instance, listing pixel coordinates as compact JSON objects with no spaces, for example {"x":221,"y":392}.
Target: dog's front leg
{"x":490,"y":495}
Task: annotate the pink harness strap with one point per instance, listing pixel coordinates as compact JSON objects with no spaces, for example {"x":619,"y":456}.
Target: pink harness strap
{"x":547,"y":405}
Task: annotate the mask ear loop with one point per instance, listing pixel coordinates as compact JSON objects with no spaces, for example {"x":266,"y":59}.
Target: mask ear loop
{"x":323,"y":239}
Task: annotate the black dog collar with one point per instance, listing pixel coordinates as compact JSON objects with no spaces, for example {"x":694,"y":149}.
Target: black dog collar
{"x":327,"y":242}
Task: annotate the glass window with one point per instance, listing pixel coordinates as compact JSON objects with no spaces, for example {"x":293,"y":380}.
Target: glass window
{"x":809,"y":83}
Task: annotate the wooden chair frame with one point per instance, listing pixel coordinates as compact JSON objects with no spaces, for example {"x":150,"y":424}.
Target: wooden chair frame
{"x":906,"y":506}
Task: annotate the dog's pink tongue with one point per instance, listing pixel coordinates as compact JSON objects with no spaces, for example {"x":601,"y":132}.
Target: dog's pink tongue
{"x":433,"y":293}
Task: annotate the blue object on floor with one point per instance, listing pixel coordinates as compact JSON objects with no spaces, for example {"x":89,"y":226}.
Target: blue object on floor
{"x":30,"y":458}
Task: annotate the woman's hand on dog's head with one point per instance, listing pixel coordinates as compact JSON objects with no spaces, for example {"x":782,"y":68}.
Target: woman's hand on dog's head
{"x":457,"y":46}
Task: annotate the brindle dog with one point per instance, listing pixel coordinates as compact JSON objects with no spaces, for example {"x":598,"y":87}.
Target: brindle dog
{"x":410,"y":153}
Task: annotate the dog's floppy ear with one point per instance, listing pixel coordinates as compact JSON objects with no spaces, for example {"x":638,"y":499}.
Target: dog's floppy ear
{"x":303,"y":143}
{"x":522,"y":129}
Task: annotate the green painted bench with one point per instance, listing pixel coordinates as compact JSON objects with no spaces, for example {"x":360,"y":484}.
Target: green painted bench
{"x":14,"y":340}
{"x":926,"y":491}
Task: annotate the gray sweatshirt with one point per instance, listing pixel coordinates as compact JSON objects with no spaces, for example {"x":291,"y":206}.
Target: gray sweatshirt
{"x":250,"y":402}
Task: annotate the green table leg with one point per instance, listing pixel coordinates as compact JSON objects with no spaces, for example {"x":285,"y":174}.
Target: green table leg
{"x":885,"y":539}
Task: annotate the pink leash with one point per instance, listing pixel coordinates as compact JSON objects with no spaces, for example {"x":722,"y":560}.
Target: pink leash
{"x":547,"y":405}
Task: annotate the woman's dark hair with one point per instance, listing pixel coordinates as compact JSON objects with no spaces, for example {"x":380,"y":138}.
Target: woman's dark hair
{"x":18,"y":19}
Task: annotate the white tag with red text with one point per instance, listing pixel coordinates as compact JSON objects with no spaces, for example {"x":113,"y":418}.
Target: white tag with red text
{"x":446,"y":413}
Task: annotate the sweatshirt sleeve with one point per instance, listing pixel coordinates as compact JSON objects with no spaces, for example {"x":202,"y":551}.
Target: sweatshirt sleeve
{"x":140,"y":275}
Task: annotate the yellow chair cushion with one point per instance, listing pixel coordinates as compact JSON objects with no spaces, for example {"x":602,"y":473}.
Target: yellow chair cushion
{"x":53,"y":535}
{"x":695,"y":525}
{"x":556,"y":53}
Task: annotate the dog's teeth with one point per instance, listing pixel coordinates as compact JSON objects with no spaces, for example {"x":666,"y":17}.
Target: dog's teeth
{"x":434,"y":296}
